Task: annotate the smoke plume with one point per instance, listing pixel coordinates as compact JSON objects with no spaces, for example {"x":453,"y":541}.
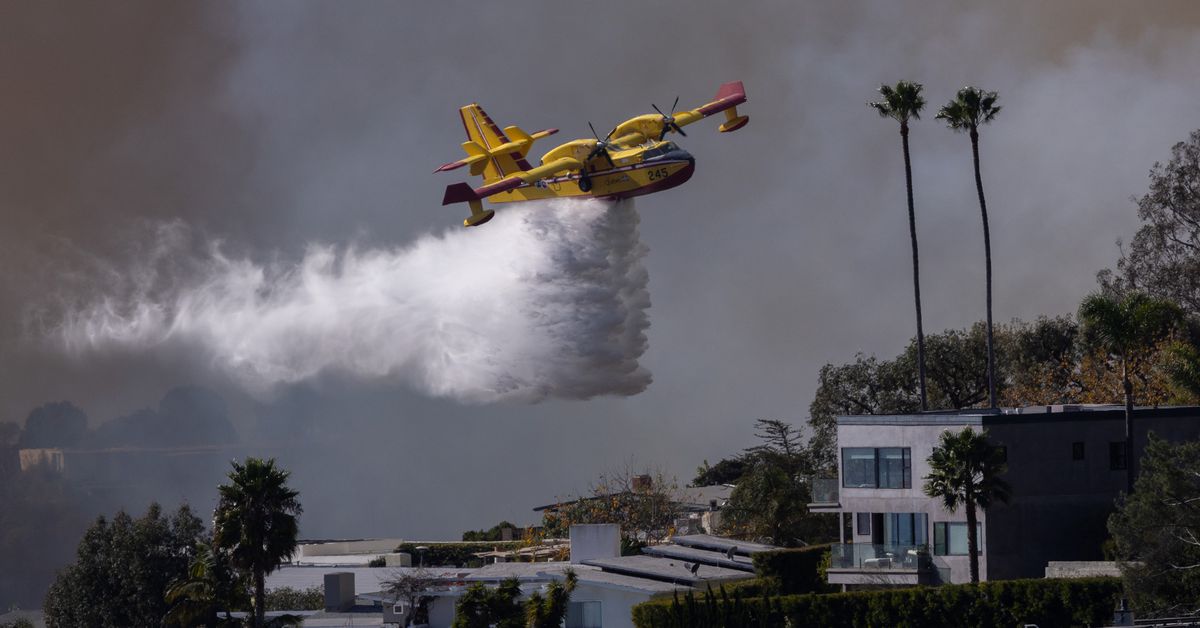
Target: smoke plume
{"x":548,"y":300}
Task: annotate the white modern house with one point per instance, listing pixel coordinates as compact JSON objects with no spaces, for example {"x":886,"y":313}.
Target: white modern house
{"x":1066,"y":466}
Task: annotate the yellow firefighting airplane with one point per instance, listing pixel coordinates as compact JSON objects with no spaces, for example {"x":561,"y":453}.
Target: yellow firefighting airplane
{"x":633,"y":159}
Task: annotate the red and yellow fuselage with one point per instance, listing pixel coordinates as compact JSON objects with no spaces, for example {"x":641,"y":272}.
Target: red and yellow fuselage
{"x":637,"y":160}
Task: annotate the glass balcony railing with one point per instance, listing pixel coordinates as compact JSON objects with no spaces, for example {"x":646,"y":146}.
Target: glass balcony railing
{"x":824,"y":490}
{"x":866,"y":557}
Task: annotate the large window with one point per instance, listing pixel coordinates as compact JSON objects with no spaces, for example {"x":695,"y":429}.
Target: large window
{"x":877,"y":467}
{"x":905,"y":528}
{"x":583,"y":615}
{"x":950,"y":538}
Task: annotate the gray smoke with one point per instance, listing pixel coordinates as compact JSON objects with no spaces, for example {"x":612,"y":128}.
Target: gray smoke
{"x":548,"y":300}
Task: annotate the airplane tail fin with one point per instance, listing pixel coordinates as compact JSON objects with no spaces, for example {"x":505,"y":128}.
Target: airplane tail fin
{"x":482,"y":131}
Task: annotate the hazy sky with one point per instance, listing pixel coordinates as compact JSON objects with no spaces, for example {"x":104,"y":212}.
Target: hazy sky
{"x":272,"y":127}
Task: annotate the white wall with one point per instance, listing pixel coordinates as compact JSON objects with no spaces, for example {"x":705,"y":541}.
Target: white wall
{"x":920,"y":439}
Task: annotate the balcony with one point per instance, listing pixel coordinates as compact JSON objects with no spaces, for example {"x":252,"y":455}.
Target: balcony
{"x":824,"y":492}
{"x":862,"y":563}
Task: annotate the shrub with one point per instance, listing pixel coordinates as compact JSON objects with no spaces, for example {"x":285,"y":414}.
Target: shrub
{"x":454,"y":554}
{"x":289,"y":599}
{"x":1076,"y":602}
{"x":790,"y":571}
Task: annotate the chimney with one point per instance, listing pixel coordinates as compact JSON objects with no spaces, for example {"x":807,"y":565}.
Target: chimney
{"x":339,"y":591}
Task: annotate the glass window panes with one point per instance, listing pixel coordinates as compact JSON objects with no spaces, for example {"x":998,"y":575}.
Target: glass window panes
{"x":950,"y":538}
{"x":583,"y":615}
{"x":872,"y":467}
{"x":864,"y":523}
{"x":858,"y":467}
{"x":905,"y":528}
{"x":895,"y":469}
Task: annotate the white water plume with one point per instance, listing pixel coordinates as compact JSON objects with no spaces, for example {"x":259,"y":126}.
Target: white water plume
{"x":547,"y":300}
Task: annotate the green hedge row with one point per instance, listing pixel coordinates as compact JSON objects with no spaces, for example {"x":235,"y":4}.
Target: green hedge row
{"x":1077,"y":602}
{"x":454,"y":554}
{"x":791,"y":571}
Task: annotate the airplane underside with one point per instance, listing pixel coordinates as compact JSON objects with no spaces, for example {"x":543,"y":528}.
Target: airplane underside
{"x":612,"y":184}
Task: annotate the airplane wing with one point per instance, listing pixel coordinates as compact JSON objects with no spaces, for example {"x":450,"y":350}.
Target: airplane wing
{"x":729,"y":96}
{"x":462,"y":193}
{"x":655,"y":126}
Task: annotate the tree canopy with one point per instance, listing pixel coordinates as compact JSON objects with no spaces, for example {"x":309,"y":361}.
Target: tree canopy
{"x":123,"y":570}
{"x":1156,"y":531}
{"x":256,"y":522}
{"x":1163,"y":258}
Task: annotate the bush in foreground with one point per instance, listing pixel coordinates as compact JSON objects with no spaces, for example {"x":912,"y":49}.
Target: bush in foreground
{"x":1076,"y":602}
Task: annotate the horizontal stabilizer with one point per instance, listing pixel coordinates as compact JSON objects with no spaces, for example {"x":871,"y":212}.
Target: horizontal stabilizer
{"x":459,"y":193}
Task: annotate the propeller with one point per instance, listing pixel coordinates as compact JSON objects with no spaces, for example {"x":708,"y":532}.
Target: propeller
{"x":601,"y":146}
{"x":668,"y":121}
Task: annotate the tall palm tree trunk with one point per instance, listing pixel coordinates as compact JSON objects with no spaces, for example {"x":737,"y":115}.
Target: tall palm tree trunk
{"x":260,"y":599}
{"x":912,"y":233}
{"x":987,"y":252}
{"x":972,"y":539}
{"x":1127,"y":385}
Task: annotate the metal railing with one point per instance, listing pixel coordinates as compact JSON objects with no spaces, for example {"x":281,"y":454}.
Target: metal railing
{"x":824,"y":490}
{"x":880,"y":557}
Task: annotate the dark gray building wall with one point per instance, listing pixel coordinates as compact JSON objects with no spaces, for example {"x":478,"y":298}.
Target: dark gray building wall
{"x":1060,"y":506}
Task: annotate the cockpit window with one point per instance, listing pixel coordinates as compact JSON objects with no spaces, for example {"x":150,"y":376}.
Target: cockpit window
{"x":659,"y":151}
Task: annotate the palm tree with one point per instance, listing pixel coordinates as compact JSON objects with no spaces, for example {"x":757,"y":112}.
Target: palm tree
{"x":209,"y":588}
{"x":971,"y":108}
{"x":255,"y":522}
{"x":902,"y":103}
{"x":964,"y":470}
{"x":1124,"y":327}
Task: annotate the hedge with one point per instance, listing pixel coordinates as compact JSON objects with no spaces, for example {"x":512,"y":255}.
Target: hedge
{"x":1054,"y":602}
{"x":454,"y":554}
{"x":791,"y":571}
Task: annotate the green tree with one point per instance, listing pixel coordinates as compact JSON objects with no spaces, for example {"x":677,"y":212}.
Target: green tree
{"x":1156,"y":530}
{"x":58,"y":424}
{"x":256,"y":522}
{"x":210,"y":587}
{"x":971,"y":108}
{"x":770,"y":501}
{"x":550,"y":610}
{"x":123,"y":570}
{"x":965,"y":470}
{"x":482,"y":606}
{"x":1163,"y":258}
{"x":726,"y":471}
{"x":1123,"y":327}
{"x":903,"y":103}
{"x":411,"y":587}
{"x":867,"y":385}
{"x":495,"y":533}
{"x":643,"y":504}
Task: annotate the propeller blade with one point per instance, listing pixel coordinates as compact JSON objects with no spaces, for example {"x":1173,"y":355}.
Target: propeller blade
{"x":593,"y":130}
{"x":673,"y":105}
{"x":678,"y":130}
{"x":659,"y":110}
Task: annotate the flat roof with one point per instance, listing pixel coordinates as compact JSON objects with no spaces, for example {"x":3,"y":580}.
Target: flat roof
{"x":666,"y":570}
{"x":703,"y":556}
{"x":608,"y":579}
{"x":1029,"y":414}
{"x":721,"y":544}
